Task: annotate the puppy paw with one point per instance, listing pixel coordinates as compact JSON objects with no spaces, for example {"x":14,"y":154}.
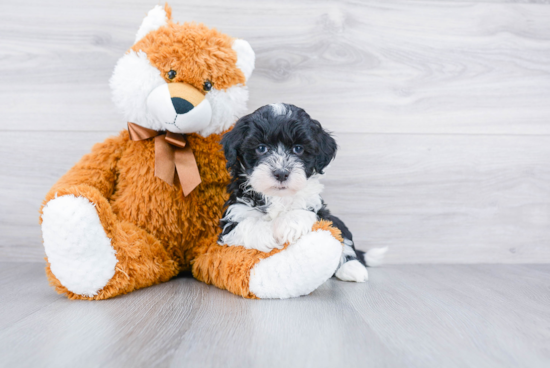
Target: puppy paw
{"x":252,"y":233}
{"x":352,"y":271}
{"x":264,"y":243}
{"x":292,"y":225}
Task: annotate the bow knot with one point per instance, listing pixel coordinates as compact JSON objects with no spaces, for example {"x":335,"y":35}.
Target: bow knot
{"x":172,"y":154}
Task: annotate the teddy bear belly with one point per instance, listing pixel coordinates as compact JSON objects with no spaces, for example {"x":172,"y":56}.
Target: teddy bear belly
{"x":162,"y":210}
{"x":139,"y":197}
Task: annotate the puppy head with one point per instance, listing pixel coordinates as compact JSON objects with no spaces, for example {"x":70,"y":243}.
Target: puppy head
{"x":184,"y":78}
{"x":278,"y":148}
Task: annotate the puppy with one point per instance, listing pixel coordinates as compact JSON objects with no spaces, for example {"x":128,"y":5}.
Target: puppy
{"x":276,"y":156}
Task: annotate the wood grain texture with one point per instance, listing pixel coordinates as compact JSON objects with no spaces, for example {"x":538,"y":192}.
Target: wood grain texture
{"x":441,"y":110}
{"x":405,"y":316}
{"x":445,"y":198}
{"x":382,"y":66}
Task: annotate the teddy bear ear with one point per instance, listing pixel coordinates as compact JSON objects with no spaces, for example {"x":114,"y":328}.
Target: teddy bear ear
{"x":245,"y":57}
{"x":156,"y":18}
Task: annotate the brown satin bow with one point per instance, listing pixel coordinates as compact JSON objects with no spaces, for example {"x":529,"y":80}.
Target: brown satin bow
{"x":171,"y":154}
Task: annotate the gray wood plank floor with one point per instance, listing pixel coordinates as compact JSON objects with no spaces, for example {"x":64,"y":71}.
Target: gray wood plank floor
{"x":405,"y":316}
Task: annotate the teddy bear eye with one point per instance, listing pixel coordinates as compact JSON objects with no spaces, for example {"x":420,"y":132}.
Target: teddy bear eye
{"x":207,"y":86}
{"x":171,"y":74}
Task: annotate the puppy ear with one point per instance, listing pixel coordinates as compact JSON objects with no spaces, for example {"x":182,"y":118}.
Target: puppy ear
{"x":156,"y":18}
{"x":232,"y":140}
{"x":326,"y":147}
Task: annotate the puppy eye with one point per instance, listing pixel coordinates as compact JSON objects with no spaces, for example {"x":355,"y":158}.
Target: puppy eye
{"x":298,"y":149}
{"x":261,"y":149}
{"x":171,"y":74}
{"x":207,"y":86}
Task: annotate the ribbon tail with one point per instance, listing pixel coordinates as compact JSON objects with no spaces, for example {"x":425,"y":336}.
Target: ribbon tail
{"x":188,"y":171}
{"x":139,"y":133}
{"x":164,"y":160}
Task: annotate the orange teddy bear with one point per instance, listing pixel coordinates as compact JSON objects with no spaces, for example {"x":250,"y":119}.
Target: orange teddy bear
{"x":145,"y":205}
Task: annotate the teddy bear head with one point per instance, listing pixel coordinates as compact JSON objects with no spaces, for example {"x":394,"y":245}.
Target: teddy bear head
{"x":182,"y":78}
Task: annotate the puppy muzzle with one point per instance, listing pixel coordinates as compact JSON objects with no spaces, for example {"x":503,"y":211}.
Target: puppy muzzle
{"x":180,"y":107}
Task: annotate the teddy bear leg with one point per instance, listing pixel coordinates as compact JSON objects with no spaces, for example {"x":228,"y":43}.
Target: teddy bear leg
{"x":91,"y":255}
{"x":297,"y":269}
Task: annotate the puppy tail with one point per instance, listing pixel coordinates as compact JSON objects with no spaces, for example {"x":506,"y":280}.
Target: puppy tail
{"x":374,"y":256}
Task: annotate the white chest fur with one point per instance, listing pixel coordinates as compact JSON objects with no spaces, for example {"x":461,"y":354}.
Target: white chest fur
{"x":309,"y":198}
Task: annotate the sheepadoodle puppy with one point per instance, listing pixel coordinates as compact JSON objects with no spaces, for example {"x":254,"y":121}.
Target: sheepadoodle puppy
{"x":276,"y":157}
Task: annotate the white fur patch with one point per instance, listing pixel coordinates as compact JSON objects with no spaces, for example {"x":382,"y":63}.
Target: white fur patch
{"x":240,"y":211}
{"x":155,"y":19}
{"x":79,"y":251}
{"x":299,"y":270}
{"x":352,"y":271}
{"x":253,"y":233}
{"x":245,"y":57}
{"x":307,"y":198}
{"x":133,"y":80}
{"x":280,"y":109}
{"x":227,"y":107}
{"x":292,"y":225}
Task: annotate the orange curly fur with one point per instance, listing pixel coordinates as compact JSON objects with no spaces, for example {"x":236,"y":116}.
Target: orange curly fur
{"x":171,"y":46}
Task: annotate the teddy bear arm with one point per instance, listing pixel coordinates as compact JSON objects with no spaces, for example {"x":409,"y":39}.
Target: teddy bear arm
{"x":96,"y":169}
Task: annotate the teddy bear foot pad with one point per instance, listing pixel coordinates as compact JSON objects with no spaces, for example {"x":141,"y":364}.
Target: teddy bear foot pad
{"x":79,"y":252}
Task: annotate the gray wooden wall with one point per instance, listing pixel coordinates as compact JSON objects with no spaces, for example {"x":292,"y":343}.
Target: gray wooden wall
{"x":441,"y":110}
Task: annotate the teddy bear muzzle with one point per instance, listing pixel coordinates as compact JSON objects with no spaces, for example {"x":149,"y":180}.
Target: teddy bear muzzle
{"x":180,"y":107}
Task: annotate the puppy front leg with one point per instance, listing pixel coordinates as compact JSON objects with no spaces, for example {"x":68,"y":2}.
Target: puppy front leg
{"x":292,"y":225}
{"x":252,"y":233}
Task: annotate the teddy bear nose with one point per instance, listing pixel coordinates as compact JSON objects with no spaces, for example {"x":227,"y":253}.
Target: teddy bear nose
{"x":280,"y":175}
{"x":182,"y":106}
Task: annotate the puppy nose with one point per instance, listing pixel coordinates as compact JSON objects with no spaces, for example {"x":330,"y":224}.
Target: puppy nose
{"x":281,"y":175}
{"x":182,"y":106}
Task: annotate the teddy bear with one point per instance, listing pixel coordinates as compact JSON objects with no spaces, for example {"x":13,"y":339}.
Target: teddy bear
{"x":145,"y":205}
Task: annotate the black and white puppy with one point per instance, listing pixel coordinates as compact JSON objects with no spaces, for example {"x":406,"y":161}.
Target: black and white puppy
{"x":276,"y":156}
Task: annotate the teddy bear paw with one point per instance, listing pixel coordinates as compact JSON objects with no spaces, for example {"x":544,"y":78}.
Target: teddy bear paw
{"x":79,"y":252}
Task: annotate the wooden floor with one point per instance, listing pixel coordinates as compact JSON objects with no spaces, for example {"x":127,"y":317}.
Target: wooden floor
{"x":405,"y":316}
